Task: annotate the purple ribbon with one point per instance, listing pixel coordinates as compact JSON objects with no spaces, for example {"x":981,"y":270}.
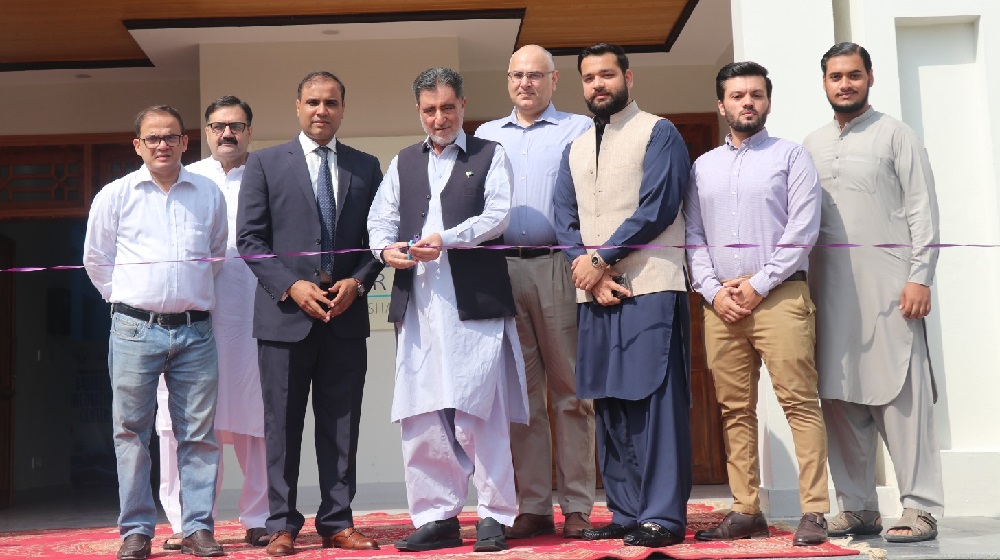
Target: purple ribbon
{"x":554,"y":247}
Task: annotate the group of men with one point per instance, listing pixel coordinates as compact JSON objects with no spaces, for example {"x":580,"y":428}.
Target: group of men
{"x":767,"y":220}
{"x":493,"y":341}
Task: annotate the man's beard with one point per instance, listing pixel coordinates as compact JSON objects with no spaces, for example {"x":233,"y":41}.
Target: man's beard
{"x":617,"y":102}
{"x":439,"y":139}
{"x":855,"y":107}
{"x":443,"y":140}
{"x":751,"y":128}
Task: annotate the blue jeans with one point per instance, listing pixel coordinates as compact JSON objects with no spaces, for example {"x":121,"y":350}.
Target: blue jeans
{"x":186,"y":355}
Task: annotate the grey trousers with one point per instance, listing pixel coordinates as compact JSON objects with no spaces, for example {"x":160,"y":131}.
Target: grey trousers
{"x":546,"y":325}
{"x":906,"y":424}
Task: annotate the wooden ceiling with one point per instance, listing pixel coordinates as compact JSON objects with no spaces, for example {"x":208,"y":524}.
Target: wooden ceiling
{"x":58,"y":34}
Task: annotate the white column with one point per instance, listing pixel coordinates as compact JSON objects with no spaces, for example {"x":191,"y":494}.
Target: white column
{"x":788,"y":37}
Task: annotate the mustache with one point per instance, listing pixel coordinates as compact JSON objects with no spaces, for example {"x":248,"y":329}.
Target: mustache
{"x":228,"y":140}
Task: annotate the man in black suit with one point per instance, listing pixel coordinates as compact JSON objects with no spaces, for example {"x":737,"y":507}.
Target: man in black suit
{"x":310,"y":317}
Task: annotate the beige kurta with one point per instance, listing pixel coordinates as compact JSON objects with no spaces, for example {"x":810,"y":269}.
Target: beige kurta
{"x":877,"y":189}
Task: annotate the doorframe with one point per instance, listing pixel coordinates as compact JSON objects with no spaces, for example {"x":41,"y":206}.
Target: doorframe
{"x":6,"y":373}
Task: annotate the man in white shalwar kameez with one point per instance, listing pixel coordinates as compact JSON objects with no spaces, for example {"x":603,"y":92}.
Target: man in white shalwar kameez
{"x":459,"y":371}
{"x":239,"y":414}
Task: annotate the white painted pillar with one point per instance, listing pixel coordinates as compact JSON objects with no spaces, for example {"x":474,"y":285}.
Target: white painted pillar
{"x":788,"y":37}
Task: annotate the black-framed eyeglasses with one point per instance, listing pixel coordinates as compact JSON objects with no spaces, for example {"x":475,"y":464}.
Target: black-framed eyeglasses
{"x":534,"y":77}
{"x":172,"y":140}
{"x":220,"y":127}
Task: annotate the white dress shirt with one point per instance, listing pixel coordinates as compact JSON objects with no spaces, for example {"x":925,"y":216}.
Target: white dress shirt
{"x":313,"y":161}
{"x":141,"y":241}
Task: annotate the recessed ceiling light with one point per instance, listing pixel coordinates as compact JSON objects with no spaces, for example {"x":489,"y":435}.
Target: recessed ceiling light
{"x":330,"y":32}
{"x":82,"y":76}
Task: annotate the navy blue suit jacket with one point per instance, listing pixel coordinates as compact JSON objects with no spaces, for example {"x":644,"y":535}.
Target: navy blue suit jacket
{"x":277,"y":214}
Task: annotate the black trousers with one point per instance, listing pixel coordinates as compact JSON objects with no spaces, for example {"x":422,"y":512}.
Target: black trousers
{"x":335,"y":368}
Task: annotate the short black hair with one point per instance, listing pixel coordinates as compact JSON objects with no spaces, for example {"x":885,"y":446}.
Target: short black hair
{"x":229,"y":101}
{"x":845,"y":48}
{"x":157,"y":109}
{"x":736,"y":69}
{"x":602,"y":49}
{"x":321,"y":76}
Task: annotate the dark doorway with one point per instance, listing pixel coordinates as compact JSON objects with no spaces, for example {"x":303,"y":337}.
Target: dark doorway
{"x":6,"y":370}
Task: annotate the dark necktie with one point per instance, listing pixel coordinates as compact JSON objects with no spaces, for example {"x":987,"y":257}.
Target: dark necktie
{"x":327,"y":205}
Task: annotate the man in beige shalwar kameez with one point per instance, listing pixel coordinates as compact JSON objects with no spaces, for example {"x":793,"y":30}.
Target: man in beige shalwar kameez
{"x":871,"y":346}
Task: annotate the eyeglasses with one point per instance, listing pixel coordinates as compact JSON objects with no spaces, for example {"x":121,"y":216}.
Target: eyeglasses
{"x":533,"y":77}
{"x":154,"y":141}
{"x":220,"y":127}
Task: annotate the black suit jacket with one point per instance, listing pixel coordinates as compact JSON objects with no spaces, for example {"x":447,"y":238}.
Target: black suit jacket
{"x":277,"y":215}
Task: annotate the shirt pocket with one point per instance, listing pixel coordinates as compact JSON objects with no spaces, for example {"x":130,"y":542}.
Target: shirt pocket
{"x":195,"y":240}
{"x":860,"y":172}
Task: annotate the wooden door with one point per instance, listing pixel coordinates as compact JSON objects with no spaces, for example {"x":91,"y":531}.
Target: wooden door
{"x":6,"y":372}
{"x":701,"y":133}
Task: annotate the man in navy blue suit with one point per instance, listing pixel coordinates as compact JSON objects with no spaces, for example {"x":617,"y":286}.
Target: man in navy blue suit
{"x":310,"y":317}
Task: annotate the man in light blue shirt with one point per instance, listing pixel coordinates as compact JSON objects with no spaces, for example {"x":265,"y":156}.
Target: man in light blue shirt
{"x":534,"y":136}
{"x":753,"y":211}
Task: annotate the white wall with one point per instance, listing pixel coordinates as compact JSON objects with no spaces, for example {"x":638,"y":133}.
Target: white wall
{"x":798,"y":107}
{"x":83,"y":107}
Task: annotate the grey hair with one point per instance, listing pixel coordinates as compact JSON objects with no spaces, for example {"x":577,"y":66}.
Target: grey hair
{"x":430,"y":79}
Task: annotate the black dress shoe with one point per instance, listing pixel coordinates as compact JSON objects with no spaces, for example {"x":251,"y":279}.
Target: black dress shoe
{"x":609,"y":531}
{"x":489,"y":536}
{"x":135,"y":547}
{"x":652,"y":535}
{"x":432,"y":536}
{"x":201,"y":543}
{"x":736,"y":526}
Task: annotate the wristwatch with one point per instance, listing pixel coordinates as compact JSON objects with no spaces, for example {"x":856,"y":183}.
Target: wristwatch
{"x":361,"y":287}
{"x":597,"y":261}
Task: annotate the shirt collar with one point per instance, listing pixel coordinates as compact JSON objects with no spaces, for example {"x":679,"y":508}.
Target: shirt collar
{"x":869,"y":113}
{"x":549,"y":115}
{"x":630,"y":110}
{"x":144,"y":175}
{"x":751,"y":142}
{"x":309,"y":145}
{"x":459,"y":141}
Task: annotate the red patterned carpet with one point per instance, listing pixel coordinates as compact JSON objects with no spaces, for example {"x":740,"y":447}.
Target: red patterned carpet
{"x":104,"y":543}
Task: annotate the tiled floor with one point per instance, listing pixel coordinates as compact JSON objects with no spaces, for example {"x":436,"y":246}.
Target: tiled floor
{"x":960,"y":537}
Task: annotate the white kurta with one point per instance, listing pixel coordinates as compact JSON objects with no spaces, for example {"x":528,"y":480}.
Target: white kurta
{"x":441,"y":361}
{"x":240,"y":409}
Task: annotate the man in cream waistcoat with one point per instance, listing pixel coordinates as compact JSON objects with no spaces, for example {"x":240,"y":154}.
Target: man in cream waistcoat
{"x":620,"y":185}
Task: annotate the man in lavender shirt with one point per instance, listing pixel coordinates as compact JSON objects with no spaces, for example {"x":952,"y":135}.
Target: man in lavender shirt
{"x":762,"y":193}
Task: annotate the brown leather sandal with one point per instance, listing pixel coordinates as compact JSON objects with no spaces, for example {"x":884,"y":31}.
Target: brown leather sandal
{"x":921,"y":524}
{"x":862,"y":522}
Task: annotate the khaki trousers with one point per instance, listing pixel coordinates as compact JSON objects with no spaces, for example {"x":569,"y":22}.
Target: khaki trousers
{"x":781,"y":331}
{"x":546,"y":326}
